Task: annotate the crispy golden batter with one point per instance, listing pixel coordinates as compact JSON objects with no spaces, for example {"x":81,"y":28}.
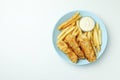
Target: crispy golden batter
{"x":70,"y":39}
{"x":87,"y":48}
{"x":68,"y":51}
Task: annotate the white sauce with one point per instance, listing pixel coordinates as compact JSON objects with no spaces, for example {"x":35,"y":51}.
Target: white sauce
{"x":87,"y":23}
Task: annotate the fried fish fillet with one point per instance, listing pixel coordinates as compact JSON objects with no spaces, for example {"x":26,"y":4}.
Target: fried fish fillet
{"x":71,"y":41}
{"x":68,"y":51}
{"x":86,"y":46}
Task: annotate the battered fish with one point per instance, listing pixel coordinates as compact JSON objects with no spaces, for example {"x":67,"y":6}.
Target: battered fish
{"x":71,"y":41}
{"x":68,"y":51}
{"x":86,"y":46}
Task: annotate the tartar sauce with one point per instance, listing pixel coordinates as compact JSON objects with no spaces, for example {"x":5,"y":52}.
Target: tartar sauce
{"x":87,"y":23}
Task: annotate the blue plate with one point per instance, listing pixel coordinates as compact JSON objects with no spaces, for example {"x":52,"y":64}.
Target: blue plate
{"x":56,"y":32}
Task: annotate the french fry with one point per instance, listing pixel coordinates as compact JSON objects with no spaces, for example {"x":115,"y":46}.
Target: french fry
{"x":70,"y":21}
{"x":98,"y":48}
{"x":78,"y":26}
{"x":73,"y":24}
{"x":95,"y":38}
{"x":65,"y":32}
{"x":77,"y":23}
{"x":89,"y":35}
{"x":85,"y":33}
{"x":97,"y":26}
{"x":76,"y":31}
{"x":93,"y":47}
{"x":100,"y":38}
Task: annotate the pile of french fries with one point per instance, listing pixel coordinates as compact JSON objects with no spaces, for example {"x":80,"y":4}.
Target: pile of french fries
{"x":72,"y":27}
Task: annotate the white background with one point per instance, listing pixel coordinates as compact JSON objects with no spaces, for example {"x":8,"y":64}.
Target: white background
{"x":26,"y":49}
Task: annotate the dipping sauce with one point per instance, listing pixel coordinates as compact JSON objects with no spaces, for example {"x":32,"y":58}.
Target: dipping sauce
{"x":87,"y":23}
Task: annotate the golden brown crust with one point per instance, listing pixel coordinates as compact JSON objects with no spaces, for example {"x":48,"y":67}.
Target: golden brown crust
{"x":70,"y":39}
{"x":87,"y":48}
{"x":68,"y":51}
